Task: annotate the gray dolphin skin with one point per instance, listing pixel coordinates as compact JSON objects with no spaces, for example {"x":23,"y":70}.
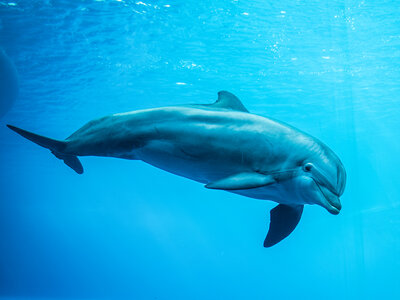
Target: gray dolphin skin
{"x":222,"y":146}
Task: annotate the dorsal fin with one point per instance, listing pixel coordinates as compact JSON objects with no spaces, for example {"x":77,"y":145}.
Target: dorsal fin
{"x":229,"y":101}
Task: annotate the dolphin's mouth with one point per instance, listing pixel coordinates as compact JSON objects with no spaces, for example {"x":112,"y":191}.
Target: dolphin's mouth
{"x":330,"y":200}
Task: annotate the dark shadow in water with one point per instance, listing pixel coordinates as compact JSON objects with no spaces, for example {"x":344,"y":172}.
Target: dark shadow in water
{"x":8,"y":83}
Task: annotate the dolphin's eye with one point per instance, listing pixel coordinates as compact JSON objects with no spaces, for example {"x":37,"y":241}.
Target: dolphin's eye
{"x":308,"y":167}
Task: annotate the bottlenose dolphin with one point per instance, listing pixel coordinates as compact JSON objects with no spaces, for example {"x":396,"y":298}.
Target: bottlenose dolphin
{"x":221,"y":145}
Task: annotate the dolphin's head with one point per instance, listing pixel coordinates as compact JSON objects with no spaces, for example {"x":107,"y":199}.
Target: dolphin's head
{"x":322,"y":180}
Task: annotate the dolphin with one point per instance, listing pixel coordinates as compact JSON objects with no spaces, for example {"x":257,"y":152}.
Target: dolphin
{"x":221,"y":145}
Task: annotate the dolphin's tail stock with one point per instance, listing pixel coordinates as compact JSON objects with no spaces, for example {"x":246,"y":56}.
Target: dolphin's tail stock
{"x":55,"y":146}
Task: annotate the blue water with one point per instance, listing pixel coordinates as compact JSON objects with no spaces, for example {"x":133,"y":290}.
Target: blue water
{"x":126,"y":230}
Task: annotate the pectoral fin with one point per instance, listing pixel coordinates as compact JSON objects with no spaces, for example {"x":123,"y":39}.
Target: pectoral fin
{"x":284,"y":219}
{"x":241,"y":181}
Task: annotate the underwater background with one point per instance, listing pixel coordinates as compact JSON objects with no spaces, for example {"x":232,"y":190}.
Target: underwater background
{"x":126,"y":230}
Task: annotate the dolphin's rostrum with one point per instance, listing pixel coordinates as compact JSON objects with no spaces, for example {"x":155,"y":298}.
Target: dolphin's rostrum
{"x":221,"y":145}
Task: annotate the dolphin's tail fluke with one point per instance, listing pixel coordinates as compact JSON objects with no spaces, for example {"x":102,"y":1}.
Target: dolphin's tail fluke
{"x":56,"y":147}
